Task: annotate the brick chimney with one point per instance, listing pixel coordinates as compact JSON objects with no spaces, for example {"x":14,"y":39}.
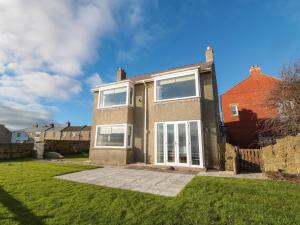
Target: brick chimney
{"x":209,"y":54}
{"x":255,"y":70}
{"x":121,"y":75}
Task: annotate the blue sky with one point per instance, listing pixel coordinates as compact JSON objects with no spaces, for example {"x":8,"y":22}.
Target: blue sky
{"x":144,"y":36}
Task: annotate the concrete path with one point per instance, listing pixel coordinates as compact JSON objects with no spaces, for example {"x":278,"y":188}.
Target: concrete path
{"x":230,"y":174}
{"x":154,"y":182}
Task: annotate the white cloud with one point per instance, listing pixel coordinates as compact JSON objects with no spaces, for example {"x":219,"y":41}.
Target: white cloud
{"x":22,"y":115}
{"x":43,"y":47}
{"x":94,"y":80}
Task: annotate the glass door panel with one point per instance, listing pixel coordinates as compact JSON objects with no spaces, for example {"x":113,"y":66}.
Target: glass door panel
{"x":170,"y":143}
{"x":182,"y":143}
{"x":160,"y":143}
{"x":195,"y":156}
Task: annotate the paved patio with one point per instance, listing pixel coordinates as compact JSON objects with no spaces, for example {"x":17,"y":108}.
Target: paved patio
{"x":231,"y":175}
{"x":154,"y":182}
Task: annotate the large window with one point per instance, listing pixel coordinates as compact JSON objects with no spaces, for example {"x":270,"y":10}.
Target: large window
{"x":119,"y":95}
{"x":176,"y":86}
{"x":114,"y":135}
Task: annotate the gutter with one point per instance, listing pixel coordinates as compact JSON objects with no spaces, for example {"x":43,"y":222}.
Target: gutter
{"x":145,"y":123}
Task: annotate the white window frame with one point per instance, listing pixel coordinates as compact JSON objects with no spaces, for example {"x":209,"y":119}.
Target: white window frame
{"x":175,"y":75}
{"x":236,"y":109}
{"x":126,"y":125}
{"x":200,"y":138}
{"x":127,"y":85}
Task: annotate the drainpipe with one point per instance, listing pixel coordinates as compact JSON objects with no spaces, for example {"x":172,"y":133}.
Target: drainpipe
{"x":145,"y":123}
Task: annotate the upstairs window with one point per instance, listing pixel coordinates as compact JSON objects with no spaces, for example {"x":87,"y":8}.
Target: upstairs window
{"x":234,"y":110}
{"x":177,"y":86}
{"x":118,"y":96}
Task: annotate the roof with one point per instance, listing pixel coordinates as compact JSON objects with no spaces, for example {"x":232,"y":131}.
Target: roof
{"x":87,"y":128}
{"x":72,"y":128}
{"x":207,"y":66}
{"x":254,"y":83}
{"x":56,"y":128}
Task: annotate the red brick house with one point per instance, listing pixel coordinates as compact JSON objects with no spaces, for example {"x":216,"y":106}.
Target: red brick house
{"x":243,"y":106}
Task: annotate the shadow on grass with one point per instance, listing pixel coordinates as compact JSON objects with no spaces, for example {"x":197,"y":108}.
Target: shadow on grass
{"x":21,"y":214}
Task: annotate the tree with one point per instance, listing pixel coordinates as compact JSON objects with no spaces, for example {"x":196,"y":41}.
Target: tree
{"x":286,"y":98}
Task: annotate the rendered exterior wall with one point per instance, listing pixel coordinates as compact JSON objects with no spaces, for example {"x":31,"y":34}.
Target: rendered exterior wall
{"x":250,"y":96}
{"x":210,"y":120}
{"x":177,"y":110}
{"x":117,"y":115}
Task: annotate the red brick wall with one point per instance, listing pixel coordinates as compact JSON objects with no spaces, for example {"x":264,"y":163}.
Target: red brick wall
{"x":250,"y":96}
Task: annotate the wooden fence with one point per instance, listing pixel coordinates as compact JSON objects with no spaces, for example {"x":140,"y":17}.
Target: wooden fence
{"x":249,"y":160}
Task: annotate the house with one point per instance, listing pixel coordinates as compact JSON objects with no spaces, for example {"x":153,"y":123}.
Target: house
{"x":5,"y":134}
{"x":54,"y":132}
{"x":31,"y":134}
{"x":76,"y":133}
{"x":169,"y":117}
{"x":244,"y":108}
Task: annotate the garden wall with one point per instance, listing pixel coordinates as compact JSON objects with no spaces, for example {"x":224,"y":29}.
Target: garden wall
{"x":230,"y":158}
{"x":13,"y":151}
{"x":66,"y":147}
{"x":283,"y":156}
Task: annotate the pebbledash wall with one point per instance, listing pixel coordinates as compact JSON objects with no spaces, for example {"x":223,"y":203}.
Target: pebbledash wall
{"x":204,"y":108}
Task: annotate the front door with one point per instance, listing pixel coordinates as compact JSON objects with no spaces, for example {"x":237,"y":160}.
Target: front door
{"x":176,"y":143}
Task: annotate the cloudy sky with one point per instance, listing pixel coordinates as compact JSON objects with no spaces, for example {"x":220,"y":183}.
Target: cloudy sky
{"x":53,"y":52}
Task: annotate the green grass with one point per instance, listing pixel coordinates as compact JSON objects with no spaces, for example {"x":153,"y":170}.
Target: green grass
{"x":77,"y":157}
{"x":30,"y":195}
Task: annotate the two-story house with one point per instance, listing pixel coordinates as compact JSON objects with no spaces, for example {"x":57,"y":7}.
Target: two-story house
{"x":168,"y":117}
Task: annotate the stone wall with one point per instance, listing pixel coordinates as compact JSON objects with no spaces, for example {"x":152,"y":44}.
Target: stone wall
{"x":230,"y":158}
{"x":13,"y":151}
{"x":283,"y":156}
{"x":66,"y":147}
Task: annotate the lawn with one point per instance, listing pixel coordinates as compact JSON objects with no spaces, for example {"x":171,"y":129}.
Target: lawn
{"x":76,"y":157}
{"x":30,"y":195}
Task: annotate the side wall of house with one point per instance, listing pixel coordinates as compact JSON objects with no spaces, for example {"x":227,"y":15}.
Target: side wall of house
{"x":117,"y":115}
{"x":210,"y":118}
{"x":5,"y":135}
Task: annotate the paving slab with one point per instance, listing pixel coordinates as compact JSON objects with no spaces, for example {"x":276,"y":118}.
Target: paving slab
{"x":260,"y":176}
{"x":154,"y":182}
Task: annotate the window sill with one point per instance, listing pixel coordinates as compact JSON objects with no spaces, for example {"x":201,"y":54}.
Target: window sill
{"x":194,"y":98}
{"x":115,"y":107}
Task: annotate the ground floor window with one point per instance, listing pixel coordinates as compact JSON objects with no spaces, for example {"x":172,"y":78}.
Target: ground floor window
{"x":179,"y":143}
{"x":117,"y":135}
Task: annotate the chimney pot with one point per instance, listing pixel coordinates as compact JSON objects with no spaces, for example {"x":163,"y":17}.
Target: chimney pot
{"x":121,"y":74}
{"x":209,"y":54}
{"x":255,"y":69}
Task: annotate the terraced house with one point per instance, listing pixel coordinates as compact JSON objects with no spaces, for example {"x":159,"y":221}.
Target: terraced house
{"x":168,"y":117}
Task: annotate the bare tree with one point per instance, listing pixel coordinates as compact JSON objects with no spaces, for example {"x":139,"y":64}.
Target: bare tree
{"x":286,"y":98}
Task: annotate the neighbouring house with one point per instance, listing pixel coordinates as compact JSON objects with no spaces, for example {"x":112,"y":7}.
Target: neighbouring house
{"x":31,"y":134}
{"x":54,"y":132}
{"x":5,"y":134}
{"x":244,"y":108}
{"x":20,"y":136}
{"x":169,"y":117}
{"x":76,"y":133}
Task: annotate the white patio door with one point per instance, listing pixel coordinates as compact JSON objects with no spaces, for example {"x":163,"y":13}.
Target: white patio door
{"x":178,"y":143}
